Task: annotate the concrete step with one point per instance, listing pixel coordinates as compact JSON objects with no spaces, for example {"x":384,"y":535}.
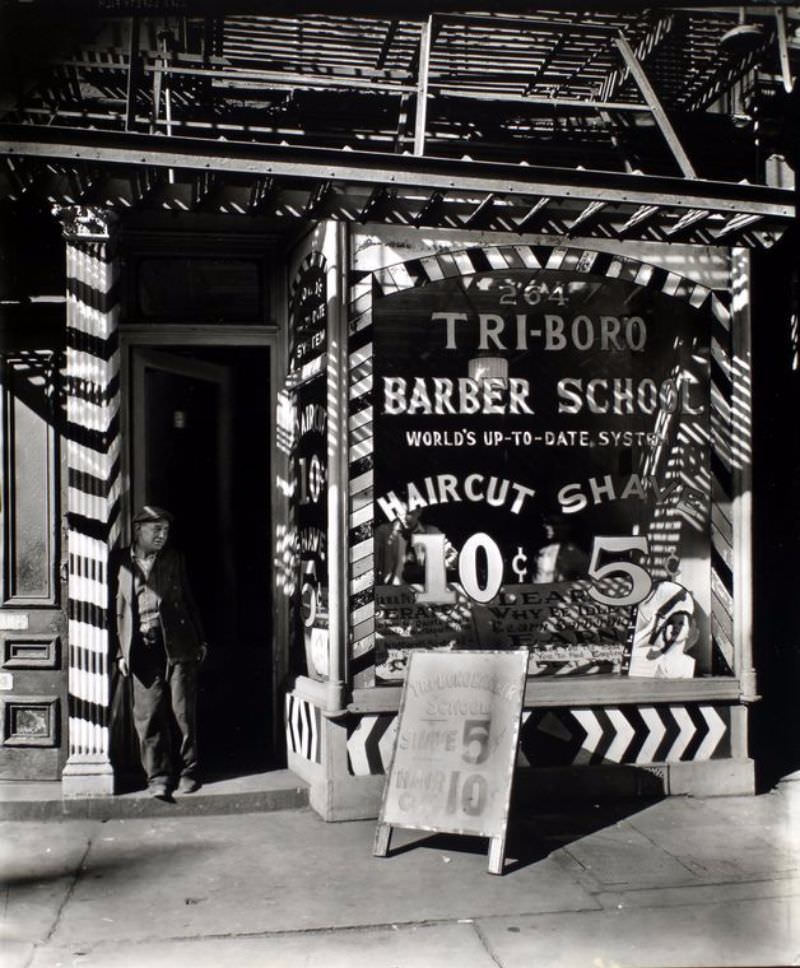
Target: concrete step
{"x":255,"y":793}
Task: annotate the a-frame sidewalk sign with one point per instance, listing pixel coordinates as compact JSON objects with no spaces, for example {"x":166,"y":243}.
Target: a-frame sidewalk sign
{"x":455,"y":748}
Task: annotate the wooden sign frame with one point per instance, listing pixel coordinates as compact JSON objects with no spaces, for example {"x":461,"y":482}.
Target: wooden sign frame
{"x":472,"y":706}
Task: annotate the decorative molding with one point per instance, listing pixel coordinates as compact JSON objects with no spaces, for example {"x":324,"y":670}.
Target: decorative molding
{"x":303,"y":722}
{"x":84,"y":223}
{"x":31,"y":652}
{"x":29,"y":398}
{"x":622,"y":735}
{"x":557,"y":691}
{"x":43,"y":709}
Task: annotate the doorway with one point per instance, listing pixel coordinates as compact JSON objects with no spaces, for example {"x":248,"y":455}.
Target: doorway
{"x":201,"y":448}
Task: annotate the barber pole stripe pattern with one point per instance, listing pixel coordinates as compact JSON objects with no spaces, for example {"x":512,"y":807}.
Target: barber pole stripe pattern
{"x":626,"y":735}
{"x":722,"y":482}
{"x":368,"y":286}
{"x":361,"y":462}
{"x":303,"y":722}
{"x":677,"y":460}
{"x":466,"y":262}
{"x":94,"y":485}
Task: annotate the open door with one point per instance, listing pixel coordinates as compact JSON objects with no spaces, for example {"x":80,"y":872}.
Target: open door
{"x":201,"y":449}
{"x":182,"y":462}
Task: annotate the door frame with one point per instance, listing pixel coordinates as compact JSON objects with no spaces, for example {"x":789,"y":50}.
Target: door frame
{"x":272,"y":338}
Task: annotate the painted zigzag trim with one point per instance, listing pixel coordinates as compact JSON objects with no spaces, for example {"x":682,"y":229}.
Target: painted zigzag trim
{"x":624,"y":735}
{"x":303,"y":724}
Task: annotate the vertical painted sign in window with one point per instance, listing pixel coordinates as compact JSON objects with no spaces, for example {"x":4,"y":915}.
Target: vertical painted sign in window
{"x":542,"y":473}
{"x":308,"y":322}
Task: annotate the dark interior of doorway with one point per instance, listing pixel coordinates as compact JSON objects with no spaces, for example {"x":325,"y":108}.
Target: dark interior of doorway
{"x":208,"y":461}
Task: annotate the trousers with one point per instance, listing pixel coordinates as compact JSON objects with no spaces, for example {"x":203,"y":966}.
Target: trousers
{"x":164,"y":702}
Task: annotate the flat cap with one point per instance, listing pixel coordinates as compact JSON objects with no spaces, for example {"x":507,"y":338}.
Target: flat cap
{"x":149,"y":512}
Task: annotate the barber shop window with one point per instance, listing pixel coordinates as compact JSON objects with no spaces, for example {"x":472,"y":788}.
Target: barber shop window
{"x":200,"y":290}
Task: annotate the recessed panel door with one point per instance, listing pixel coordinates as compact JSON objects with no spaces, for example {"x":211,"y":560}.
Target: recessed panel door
{"x":33,"y":625}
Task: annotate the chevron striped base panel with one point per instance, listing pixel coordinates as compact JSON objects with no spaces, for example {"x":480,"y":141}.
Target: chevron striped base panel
{"x":629,"y":735}
{"x":93,"y":464}
{"x":303,"y":722}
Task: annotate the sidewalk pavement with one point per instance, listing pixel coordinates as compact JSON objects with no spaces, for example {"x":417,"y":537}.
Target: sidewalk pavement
{"x":679,"y":882}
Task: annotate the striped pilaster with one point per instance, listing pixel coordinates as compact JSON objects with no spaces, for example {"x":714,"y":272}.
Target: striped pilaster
{"x":678,"y":459}
{"x":360,"y":463}
{"x":722,"y":556}
{"x":93,"y":468}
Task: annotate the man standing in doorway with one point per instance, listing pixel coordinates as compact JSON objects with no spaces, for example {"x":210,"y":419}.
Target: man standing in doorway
{"x":160,"y":644}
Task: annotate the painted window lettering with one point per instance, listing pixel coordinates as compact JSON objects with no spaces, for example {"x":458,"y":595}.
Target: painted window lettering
{"x":311,"y":475}
{"x":442,"y":396}
{"x":533,"y":293}
{"x":641,"y":582}
{"x":435,"y":589}
{"x":551,"y":331}
{"x":624,"y":396}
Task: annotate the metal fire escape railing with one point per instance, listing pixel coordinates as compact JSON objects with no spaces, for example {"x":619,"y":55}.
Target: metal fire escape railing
{"x":606,"y":124}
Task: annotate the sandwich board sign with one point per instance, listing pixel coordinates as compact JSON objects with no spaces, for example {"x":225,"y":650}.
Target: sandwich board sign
{"x":455,"y":747}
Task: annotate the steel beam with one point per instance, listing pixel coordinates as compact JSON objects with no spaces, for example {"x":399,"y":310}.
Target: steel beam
{"x":660,"y":115}
{"x":523,"y":24}
{"x":735,"y":225}
{"x":432,"y":212}
{"x":587,"y":216}
{"x":783,"y":49}
{"x":639,"y":217}
{"x":420,"y":124}
{"x":535,"y":217}
{"x":134,"y":75}
{"x":690,"y":219}
{"x":644,"y":49}
{"x":318,"y":197}
{"x":481,"y":214}
{"x":262,"y":193}
{"x":394,"y":171}
{"x":377,"y":206}
{"x":569,"y":103}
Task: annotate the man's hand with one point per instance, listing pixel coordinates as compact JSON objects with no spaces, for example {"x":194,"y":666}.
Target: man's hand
{"x":122,"y":665}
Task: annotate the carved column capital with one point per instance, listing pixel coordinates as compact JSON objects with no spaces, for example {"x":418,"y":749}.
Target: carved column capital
{"x":86,"y":223}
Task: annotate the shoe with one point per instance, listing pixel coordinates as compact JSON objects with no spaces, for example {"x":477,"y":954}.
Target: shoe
{"x":159,"y":791}
{"x":187,"y":784}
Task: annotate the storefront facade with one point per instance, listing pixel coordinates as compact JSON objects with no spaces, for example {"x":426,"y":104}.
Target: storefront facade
{"x":422,"y":405}
{"x":644,"y":471}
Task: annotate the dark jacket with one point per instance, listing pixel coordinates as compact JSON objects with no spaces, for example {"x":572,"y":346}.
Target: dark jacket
{"x":180,"y":621}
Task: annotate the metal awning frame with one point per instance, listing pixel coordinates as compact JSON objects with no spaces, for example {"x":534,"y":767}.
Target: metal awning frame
{"x":346,"y":185}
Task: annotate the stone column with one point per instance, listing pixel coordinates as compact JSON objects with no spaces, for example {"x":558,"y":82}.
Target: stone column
{"x":92,"y":437}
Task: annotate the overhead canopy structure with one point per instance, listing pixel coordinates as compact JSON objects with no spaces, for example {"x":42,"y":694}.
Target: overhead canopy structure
{"x":666,"y":124}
